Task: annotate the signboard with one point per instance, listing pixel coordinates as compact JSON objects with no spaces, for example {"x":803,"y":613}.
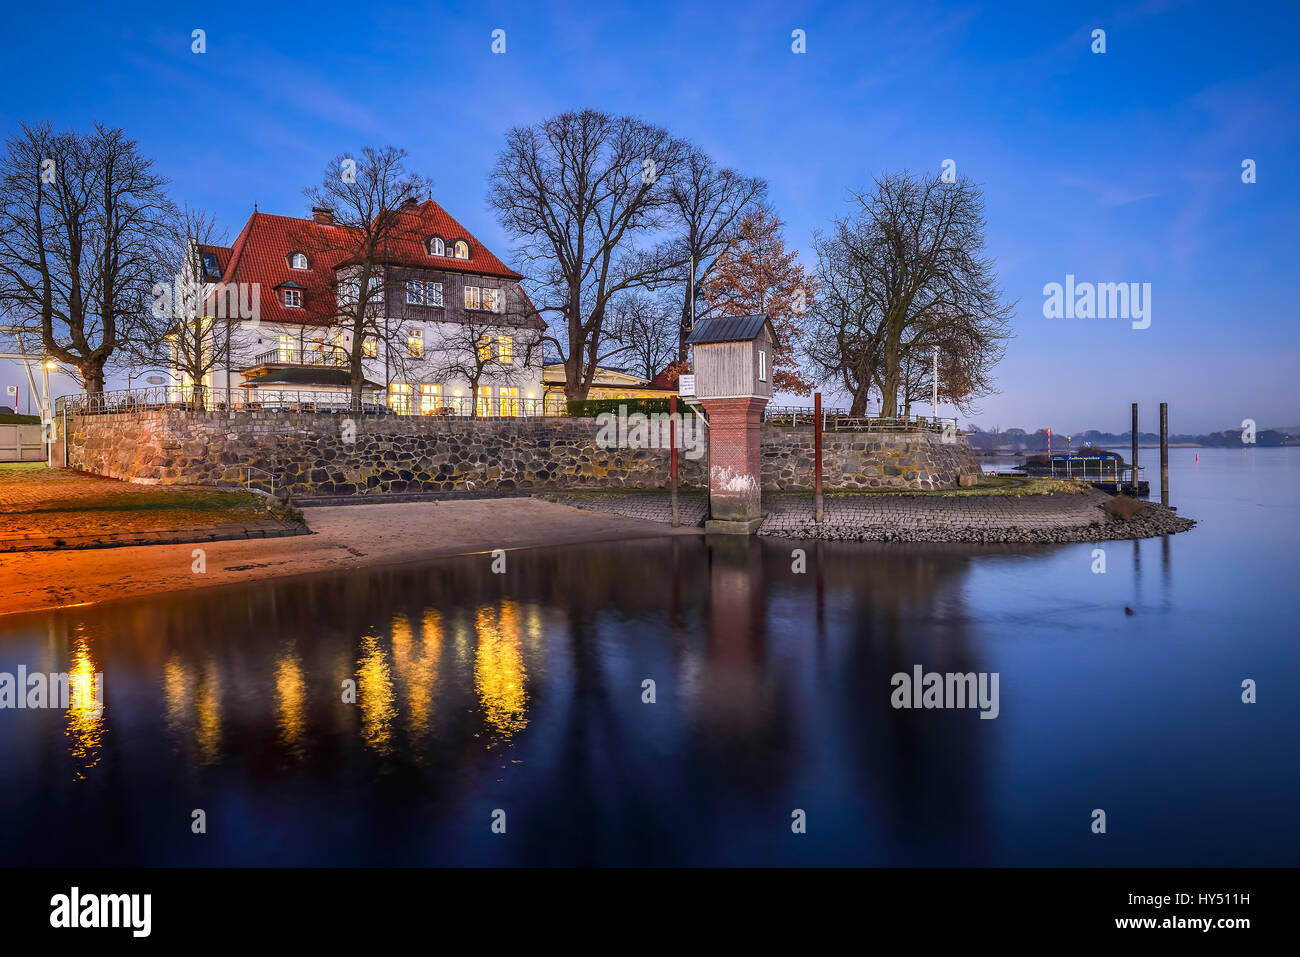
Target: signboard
{"x":155,"y":380}
{"x":686,"y":385}
{"x":11,"y":390}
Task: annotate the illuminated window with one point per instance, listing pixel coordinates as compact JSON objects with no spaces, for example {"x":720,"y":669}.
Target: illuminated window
{"x":293,"y":298}
{"x":505,"y":350}
{"x":484,"y":400}
{"x":462,"y":249}
{"x":298,"y":260}
{"x":484,"y":348}
{"x":286,"y":348}
{"x":472,"y":297}
{"x":399,"y":398}
{"x":492,"y":300}
{"x":430,"y":399}
{"x":415,"y":344}
{"x":370,"y":347}
{"x":510,"y":400}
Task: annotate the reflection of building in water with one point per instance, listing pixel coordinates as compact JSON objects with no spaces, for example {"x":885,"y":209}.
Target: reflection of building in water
{"x":194,"y":708}
{"x":290,"y":701}
{"x":375,"y":696}
{"x":415,"y":663}
{"x":499,"y":674}
{"x":86,"y":709}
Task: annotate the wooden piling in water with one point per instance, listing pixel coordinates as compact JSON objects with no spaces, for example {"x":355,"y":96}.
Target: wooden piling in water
{"x":672,"y":445}
{"x":1164,"y":454}
{"x":817,"y":454}
{"x":1133,"y":465}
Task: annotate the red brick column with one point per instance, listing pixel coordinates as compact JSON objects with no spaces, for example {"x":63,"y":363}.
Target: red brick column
{"x":735,"y":463}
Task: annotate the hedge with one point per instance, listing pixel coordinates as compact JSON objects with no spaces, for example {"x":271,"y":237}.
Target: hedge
{"x":590,"y":408}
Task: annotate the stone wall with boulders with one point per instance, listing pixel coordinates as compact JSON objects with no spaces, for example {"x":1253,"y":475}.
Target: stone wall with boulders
{"x":863,"y":460}
{"x":318,"y":454}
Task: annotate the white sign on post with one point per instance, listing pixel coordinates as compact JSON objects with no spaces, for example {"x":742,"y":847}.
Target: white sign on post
{"x":686,"y":385}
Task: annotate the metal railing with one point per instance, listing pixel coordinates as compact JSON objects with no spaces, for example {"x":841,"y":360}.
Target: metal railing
{"x":244,"y":400}
{"x":246,"y":476}
{"x":839,"y":420}
{"x":311,"y":356}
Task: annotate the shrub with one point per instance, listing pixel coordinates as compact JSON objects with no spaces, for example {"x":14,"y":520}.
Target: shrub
{"x":590,"y":408}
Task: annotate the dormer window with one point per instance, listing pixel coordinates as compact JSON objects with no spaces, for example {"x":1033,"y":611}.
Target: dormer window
{"x":462,"y":249}
{"x":298,"y":260}
{"x":210,"y":267}
{"x":436,"y":246}
{"x":293,"y":298}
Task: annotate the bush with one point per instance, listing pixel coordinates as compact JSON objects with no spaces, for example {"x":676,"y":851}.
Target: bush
{"x":590,"y":408}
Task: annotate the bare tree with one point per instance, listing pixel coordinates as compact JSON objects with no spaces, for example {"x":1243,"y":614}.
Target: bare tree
{"x":580,"y":191}
{"x":648,"y":326}
{"x":712,"y":203}
{"x":80,"y":219}
{"x":365,"y":197}
{"x":909,"y":274}
{"x":188,"y":326}
{"x":495,"y":346}
{"x":846,"y":331}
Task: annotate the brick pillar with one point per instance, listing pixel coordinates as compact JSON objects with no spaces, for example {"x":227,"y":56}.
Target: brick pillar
{"x":735,"y":464}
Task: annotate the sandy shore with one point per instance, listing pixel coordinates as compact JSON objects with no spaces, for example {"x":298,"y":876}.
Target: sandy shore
{"x":344,"y":537}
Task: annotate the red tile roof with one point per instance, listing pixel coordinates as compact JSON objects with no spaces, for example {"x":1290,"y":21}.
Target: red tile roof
{"x":669,"y":374}
{"x":260,"y":254}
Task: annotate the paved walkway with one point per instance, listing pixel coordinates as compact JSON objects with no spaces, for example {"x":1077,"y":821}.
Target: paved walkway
{"x":794,"y":516}
{"x":692,"y":506}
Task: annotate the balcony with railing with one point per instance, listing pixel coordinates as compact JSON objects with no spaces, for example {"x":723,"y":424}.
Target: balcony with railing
{"x":319,"y":355}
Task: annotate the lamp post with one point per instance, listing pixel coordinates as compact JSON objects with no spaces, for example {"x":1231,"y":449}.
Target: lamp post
{"x":934,"y":388}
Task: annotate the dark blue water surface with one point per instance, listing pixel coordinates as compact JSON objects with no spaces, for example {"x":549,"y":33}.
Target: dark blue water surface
{"x":523,"y":692}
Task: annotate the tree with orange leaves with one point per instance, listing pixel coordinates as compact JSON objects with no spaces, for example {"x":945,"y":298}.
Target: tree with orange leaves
{"x":756,"y":274}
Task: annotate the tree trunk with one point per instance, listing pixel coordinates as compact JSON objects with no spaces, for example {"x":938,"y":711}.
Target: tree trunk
{"x":858,"y":406}
{"x":92,"y":376}
{"x":889,"y":387}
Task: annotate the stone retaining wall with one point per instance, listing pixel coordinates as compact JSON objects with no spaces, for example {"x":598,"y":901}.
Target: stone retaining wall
{"x":314,"y":454}
{"x":859,"y":460}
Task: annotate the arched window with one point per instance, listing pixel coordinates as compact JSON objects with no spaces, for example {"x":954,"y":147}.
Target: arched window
{"x":436,"y":246}
{"x":462,"y":249}
{"x":298,"y":260}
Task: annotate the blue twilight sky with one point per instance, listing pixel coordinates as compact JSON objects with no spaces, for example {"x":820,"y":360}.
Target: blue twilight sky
{"x":1122,"y":167}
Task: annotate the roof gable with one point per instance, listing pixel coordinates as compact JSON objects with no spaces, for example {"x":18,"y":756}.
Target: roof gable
{"x":261,"y":252}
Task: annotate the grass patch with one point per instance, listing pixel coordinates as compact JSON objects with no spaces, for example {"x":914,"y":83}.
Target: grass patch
{"x":17,"y":418}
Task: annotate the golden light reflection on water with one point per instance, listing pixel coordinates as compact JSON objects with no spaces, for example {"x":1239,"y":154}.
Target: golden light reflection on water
{"x":208,"y":727}
{"x":290,"y":701}
{"x":176,"y":696}
{"x":499,"y":674}
{"x":194,"y":707}
{"x":375,"y":696}
{"x":85,"y":728}
{"x":416,"y":664}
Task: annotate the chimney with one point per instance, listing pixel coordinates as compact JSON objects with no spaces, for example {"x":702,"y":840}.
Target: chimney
{"x":409,"y":203}
{"x":322,"y":215}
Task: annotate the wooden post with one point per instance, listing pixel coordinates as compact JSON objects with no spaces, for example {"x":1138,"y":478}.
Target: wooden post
{"x":1164,"y":454}
{"x":817,"y":453}
{"x":672,"y":442}
{"x":1134,"y":464}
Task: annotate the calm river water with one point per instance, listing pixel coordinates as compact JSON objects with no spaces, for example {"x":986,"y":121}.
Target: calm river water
{"x":523,"y":693}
